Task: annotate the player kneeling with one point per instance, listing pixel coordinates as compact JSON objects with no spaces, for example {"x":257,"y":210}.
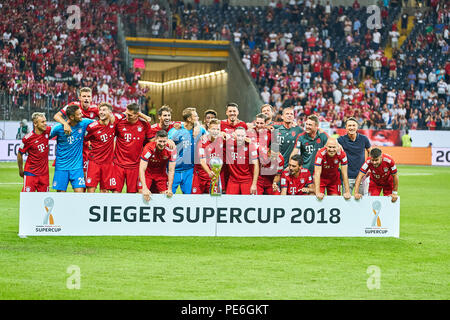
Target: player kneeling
{"x":157,"y":166}
{"x":383,"y":175}
{"x":296,"y":180}
{"x":326,"y":171}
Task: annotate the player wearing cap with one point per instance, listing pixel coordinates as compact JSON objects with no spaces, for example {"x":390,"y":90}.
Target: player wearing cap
{"x":383,"y":175}
{"x":326,"y":171}
{"x":157,"y":166}
{"x":35,"y":145}
{"x":296,"y":180}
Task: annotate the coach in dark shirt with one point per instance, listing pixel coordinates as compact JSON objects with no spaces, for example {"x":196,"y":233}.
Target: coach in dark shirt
{"x":354,"y":144}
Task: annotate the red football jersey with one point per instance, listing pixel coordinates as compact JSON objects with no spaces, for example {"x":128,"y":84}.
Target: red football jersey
{"x":383,"y":174}
{"x":238,"y":160}
{"x":102,"y":140}
{"x":157,"y":127}
{"x":226,"y":126}
{"x":36,"y":146}
{"x":90,"y":113}
{"x":269,"y":168}
{"x":330,"y":165}
{"x":130,"y":140}
{"x":157,"y":159}
{"x":261,"y":137}
{"x":208,"y":150}
{"x":295,"y":185}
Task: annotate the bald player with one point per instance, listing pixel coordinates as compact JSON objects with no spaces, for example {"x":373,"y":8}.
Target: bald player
{"x":326,"y":170}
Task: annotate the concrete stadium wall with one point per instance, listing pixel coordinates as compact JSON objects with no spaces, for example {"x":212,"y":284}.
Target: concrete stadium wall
{"x":241,"y":88}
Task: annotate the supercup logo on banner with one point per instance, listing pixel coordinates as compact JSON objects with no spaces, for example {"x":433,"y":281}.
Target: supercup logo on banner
{"x":48,"y":224}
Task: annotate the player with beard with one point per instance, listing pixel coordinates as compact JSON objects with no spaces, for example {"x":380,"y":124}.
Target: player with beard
{"x":296,"y":180}
{"x":35,"y":145}
{"x":383,"y":175}
{"x":101,"y":134}
{"x":69,"y":152}
{"x":165,"y":121}
{"x":157,"y":166}
{"x":132,"y":133}
{"x":309,"y":142}
{"x":241,"y":160}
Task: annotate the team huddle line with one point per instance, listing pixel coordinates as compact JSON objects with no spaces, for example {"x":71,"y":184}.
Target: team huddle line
{"x":96,"y":147}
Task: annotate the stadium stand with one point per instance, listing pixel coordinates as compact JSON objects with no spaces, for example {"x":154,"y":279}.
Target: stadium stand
{"x":321,"y":59}
{"x":43,"y":60}
{"x":325,"y":60}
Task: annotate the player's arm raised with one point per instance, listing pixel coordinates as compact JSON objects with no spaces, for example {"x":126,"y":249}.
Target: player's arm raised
{"x":344,"y":169}
{"x":394,"y":195}
{"x":58,"y":117}
{"x":145,"y":191}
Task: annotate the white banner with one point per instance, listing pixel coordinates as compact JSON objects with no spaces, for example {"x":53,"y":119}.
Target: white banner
{"x":10,"y":148}
{"x":440,"y":156}
{"x":203,"y":215}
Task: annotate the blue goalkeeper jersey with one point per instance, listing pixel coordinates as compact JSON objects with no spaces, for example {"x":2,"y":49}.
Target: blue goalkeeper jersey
{"x":69,"y":148}
{"x":186,"y":146}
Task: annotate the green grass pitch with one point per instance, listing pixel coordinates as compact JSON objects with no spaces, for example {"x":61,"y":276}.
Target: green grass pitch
{"x":415,"y":266}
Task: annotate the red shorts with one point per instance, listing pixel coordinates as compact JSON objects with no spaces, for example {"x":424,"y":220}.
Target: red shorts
{"x":100,"y":173}
{"x":332,"y":187}
{"x":199,"y":185}
{"x":265,"y":187}
{"x":234,"y":187}
{"x":375,"y":190}
{"x":155,"y":183}
{"x":35,"y":183}
{"x":128,"y":175}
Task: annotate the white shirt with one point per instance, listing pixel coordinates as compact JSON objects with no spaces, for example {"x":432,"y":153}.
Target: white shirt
{"x":376,"y":37}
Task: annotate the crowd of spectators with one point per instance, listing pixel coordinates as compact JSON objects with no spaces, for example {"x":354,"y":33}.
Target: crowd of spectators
{"x":326,"y":60}
{"x":48,"y":50}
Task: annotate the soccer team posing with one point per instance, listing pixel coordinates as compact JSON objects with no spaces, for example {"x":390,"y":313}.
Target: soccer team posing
{"x":261,"y":157}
